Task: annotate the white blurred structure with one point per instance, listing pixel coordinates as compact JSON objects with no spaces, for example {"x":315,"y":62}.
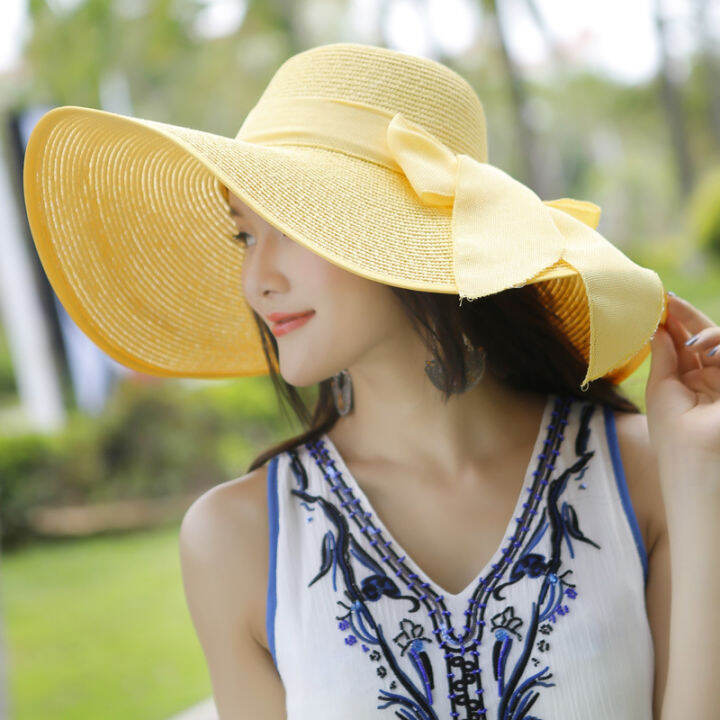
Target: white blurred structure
{"x":92,"y":372}
{"x":22,"y":317}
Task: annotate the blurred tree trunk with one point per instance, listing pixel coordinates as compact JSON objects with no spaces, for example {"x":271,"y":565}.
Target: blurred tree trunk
{"x":436,"y":51}
{"x":549,"y":162}
{"x":527,"y":159}
{"x":672,"y":102}
{"x":382,"y":17}
{"x":709,"y":66}
{"x":545,"y":32}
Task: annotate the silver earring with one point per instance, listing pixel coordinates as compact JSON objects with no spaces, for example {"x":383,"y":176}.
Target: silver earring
{"x":342,"y":390}
{"x":474,"y":363}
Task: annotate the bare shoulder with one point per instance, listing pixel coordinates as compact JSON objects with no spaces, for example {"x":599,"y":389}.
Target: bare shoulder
{"x":643,"y":479}
{"x":641,"y":474}
{"x":227,"y":527}
{"x":237,"y":505}
{"x":224,"y":560}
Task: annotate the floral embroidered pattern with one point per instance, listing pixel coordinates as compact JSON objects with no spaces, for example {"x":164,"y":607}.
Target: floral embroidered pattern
{"x":520,"y":642}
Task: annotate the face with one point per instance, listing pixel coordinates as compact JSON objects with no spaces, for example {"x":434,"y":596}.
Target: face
{"x":354,"y":322}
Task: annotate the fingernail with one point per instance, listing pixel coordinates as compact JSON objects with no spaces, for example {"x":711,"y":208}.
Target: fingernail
{"x":692,"y":339}
{"x":714,"y":350}
{"x":670,"y":292}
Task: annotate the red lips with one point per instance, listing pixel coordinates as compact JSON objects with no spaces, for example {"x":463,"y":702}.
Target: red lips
{"x":278,"y":317}
{"x":287,"y":322}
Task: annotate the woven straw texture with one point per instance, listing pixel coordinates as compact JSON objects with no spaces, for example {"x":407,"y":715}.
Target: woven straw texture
{"x":131,"y":222}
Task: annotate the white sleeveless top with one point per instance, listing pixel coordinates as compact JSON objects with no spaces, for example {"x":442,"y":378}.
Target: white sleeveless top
{"x":554,"y":627}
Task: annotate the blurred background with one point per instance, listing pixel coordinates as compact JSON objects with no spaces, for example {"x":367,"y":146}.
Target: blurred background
{"x":615,"y":102}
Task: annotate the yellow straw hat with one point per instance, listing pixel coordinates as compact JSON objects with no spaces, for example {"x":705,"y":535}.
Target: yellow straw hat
{"x":372,"y":158}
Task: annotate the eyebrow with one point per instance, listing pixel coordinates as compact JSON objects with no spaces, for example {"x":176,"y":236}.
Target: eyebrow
{"x":234,"y":212}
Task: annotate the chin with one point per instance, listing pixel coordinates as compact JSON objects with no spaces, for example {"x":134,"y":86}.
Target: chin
{"x":301,"y":377}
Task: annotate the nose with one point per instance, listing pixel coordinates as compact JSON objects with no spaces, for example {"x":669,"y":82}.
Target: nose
{"x":262,"y":268}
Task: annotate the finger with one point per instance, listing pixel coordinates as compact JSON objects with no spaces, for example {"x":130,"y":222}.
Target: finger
{"x":696,"y":323}
{"x":688,"y":358}
{"x":663,"y":358}
{"x":707,"y":341}
{"x":693,"y":319}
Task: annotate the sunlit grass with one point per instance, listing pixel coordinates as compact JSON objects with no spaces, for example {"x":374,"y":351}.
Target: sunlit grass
{"x":99,"y":628}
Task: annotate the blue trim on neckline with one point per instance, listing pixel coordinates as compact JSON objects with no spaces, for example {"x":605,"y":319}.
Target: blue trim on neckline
{"x":274,"y":527}
{"x":611,"y":433}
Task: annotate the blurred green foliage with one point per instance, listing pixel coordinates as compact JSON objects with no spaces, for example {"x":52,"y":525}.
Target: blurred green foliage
{"x":173,"y":73}
{"x":704,"y":211}
{"x":8,"y":387}
{"x":152,"y":440}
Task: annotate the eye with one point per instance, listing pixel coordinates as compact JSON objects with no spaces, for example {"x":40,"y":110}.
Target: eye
{"x":241,"y":237}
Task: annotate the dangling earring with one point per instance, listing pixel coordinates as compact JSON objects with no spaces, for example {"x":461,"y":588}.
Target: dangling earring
{"x":474,"y":364}
{"x":342,"y":390}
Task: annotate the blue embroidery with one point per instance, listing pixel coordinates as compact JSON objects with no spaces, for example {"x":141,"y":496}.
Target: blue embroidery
{"x":415,"y":699}
{"x":359,"y":617}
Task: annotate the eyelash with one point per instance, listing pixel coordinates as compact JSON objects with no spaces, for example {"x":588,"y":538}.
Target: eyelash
{"x":240,"y":238}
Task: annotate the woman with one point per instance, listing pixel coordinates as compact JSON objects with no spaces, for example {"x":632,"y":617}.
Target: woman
{"x":485,"y":538}
{"x":441,"y":479}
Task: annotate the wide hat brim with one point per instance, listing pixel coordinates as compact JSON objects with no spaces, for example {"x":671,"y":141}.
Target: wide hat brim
{"x":132,"y":228}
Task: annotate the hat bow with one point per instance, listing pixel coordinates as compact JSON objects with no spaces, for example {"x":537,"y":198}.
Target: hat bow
{"x":504,"y":235}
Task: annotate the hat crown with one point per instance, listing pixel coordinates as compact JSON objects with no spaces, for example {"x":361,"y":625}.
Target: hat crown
{"x":423,"y":90}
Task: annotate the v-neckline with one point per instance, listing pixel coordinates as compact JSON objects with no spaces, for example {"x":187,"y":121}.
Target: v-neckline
{"x":368,"y":509}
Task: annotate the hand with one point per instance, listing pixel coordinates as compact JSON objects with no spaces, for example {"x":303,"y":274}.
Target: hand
{"x":682,"y":395}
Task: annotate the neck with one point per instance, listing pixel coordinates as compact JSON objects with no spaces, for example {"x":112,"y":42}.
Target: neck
{"x":400,"y":417}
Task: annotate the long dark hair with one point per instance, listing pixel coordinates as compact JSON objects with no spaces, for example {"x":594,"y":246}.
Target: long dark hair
{"x":524,"y":350}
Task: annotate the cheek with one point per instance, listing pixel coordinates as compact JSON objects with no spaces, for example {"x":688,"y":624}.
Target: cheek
{"x":357,"y":309}
{"x":356,"y":312}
